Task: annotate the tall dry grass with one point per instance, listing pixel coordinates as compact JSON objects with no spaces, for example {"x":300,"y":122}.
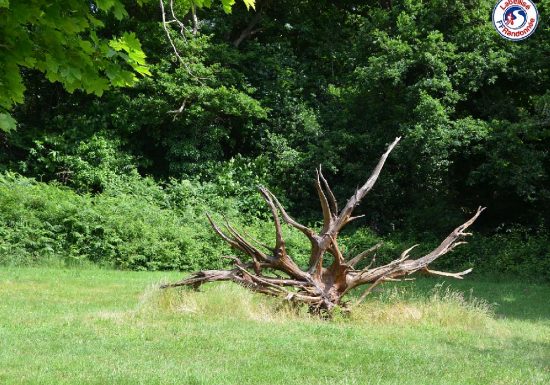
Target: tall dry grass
{"x":396,"y":305}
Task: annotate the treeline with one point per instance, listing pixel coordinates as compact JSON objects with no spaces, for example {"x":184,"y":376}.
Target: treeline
{"x":263,"y":97}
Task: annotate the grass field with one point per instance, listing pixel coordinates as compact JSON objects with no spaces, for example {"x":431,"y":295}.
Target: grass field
{"x":111,"y":327}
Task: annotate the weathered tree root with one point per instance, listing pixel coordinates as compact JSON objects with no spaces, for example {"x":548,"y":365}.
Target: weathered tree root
{"x":320,"y":288}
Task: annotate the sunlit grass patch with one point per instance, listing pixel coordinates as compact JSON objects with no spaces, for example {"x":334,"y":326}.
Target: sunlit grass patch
{"x":441,"y":306}
{"x":219,"y":300}
{"x":113,"y":327}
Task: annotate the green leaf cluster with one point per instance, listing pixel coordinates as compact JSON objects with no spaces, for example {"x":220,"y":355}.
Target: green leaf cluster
{"x":69,"y":42}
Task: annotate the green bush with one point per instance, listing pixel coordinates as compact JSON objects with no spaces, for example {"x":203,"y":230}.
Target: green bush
{"x":516,"y":251}
{"x":137,"y":224}
{"x":41,"y":222}
{"x":134,"y":224}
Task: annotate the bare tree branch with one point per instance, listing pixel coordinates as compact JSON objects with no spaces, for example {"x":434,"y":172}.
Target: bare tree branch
{"x":459,"y":275}
{"x":449,"y":243}
{"x":279,"y":241}
{"x":320,"y":288}
{"x":359,"y":257}
{"x":165,"y":25}
{"x":195,"y":19}
{"x":288,"y":219}
{"x":346,"y":212}
{"x":327,"y":215}
{"x":332,"y":198}
{"x":249,"y":30}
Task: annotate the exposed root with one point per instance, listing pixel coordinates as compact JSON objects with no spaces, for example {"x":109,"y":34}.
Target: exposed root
{"x":320,"y":288}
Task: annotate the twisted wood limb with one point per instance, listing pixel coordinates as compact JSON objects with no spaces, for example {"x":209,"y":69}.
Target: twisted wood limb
{"x":359,"y":257}
{"x":272,"y":271}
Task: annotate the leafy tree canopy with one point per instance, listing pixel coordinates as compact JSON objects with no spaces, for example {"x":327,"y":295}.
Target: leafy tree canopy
{"x":63,"y":39}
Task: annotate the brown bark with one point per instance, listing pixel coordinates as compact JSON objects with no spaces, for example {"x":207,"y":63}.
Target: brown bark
{"x":321,"y":288}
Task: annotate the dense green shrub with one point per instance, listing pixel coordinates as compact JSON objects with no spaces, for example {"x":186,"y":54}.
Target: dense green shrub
{"x":138,"y":224}
{"x":133,"y":224}
{"x":318,"y":82}
{"x":40,"y":222}
{"x":516,"y":251}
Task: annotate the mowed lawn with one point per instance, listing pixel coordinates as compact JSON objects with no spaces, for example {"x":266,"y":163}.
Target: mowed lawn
{"x":112,"y":327}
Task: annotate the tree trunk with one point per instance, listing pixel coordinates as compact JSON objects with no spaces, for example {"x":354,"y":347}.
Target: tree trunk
{"x":320,"y":286}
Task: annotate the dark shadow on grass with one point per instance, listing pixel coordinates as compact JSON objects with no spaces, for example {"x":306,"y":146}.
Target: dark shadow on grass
{"x":535,"y":353}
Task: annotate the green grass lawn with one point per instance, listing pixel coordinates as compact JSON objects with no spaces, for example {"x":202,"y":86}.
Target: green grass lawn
{"x":112,"y":327}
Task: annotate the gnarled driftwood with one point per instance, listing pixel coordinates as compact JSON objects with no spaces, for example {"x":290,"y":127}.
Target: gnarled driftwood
{"x":322,"y":285}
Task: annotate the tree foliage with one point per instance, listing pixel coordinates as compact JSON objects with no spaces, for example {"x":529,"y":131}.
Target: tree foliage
{"x":60,"y":39}
{"x":66,"y":40}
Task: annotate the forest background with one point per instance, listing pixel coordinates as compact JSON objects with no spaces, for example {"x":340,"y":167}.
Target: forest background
{"x":119,"y":171}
